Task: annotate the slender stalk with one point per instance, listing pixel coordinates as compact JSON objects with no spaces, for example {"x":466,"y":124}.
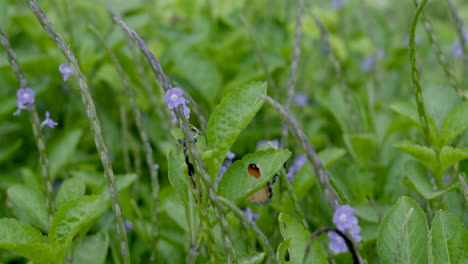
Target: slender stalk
{"x":463,"y":41}
{"x":464,"y":187}
{"x":293,"y":196}
{"x":293,"y":69}
{"x":157,"y":109}
{"x":261,"y":59}
{"x":93,"y":120}
{"x":338,"y":70}
{"x":153,"y":168}
{"x":439,"y":54}
{"x":125,"y":136}
{"x":185,"y":126}
{"x":262,"y":239}
{"x":35,"y":122}
{"x":311,"y":154}
{"x":415,"y":76}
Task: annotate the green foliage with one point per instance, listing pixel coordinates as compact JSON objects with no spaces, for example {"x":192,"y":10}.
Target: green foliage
{"x":71,"y":189}
{"x":29,"y":205}
{"x":449,"y":239}
{"x":403,"y":234}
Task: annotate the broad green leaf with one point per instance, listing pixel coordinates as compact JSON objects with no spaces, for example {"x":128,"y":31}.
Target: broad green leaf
{"x":454,"y":124}
{"x":24,"y":240}
{"x":254,"y":258}
{"x":416,"y":174}
{"x":177,"y":173}
{"x":92,"y":249}
{"x":70,"y":189}
{"x":449,"y":239}
{"x":3,"y":14}
{"x":299,"y":237}
{"x":237,"y":184}
{"x":63,"y":150}
{"x":69,"y":220}
{"x":229,"y":118}
{"x":424,"y":154}
{"x":361,"y":146}
{"x":29,"y":205}
{"x":176,"y":211}
{"x":122,"y":182}
{"x":403,"y":234}
{"x":282,"y":250}
{"x":448,"y":156}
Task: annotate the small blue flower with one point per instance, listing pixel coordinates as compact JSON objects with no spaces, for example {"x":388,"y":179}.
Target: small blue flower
{"x":301,"y":99}
{"x":368,"y":63}
{"x":337,"y":4}
{"x":66,"y":71}
{"x":24,"y":96}
{"x":48,"y":121}
{"x":186,"y":114}
{"x":344,"y":218}
{"x":230,"y":155}
{"x":222,"y":171}
{"x":128,"y":225}
{"x":250,"y":214}
{"x":298,"y":162}
{"x":337,"y":243}
{"x":175,"y":97}
{"x":355,"y":232}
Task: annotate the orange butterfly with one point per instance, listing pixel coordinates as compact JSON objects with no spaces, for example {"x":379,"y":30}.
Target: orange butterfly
{"x":262,"y":196}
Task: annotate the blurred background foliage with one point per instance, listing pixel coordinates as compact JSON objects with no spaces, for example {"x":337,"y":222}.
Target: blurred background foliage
{"x":204,"y":46}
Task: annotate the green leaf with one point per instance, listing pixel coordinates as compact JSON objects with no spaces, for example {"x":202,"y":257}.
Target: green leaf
{"x":282,"y":250}
{"x":10,"y":149}
{"x":29,"y":205}
{"x":361,"y":146}
{"x":69,"y":220}
{"x":403,"y":235}
{"x":70,"y":189}
{"x":454,"y":124}
{"x":419,"y":181}
{"x":92,"y":249}
{"x":237,"y":184}
{"x":424,"y":154}
{"x":177,"y":173}
{"x":254,"y":258}
{"x":299,"y":237}
{"x":24,"y":240}
{"x":63,"y":150}
{"x":449,"y":156}
{"x":449,"y":239}
{"x":3,"y":14}
{"x":229,"y":118}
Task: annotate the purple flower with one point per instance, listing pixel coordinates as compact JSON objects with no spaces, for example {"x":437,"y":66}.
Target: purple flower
{"x":298,"y":162}
{"x":250,"y":214}
{"x":48,"y":121}
{"x":368,"y":63}
{"x":230,"y":155}
{"x":128,"y":225}
{"x":337,"y":243}
{"x":344,"y":218}
{"x":66,"y":71}
{"x":457,"y":49}
{"x":355,"y":232}
{"x":175,"y":97}
{"x":24,"y":96}
{"x":222,"y":170}
{"x":186,"y":114}
{"x":337,"y":4}
{"x":301,"y":99}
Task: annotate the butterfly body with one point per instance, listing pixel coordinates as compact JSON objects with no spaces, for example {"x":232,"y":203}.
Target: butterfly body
{"x":262,"y":196}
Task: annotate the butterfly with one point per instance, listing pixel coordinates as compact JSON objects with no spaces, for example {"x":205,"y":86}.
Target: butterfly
{"x":262,"y":196}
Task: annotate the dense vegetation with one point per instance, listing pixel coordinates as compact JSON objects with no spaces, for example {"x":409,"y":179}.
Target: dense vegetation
{"x":199,"y":131}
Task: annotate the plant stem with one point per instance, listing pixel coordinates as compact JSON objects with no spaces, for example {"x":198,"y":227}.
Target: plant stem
{"x":415,"y":76}
{"x":262,"y":239}
{"x":293,"y":68}
{"x":185,"y":126}
{"x":93,"y":120}
{"x":153,"y":168}
{"x":35,"y":122}
{"x":311,"y":154}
